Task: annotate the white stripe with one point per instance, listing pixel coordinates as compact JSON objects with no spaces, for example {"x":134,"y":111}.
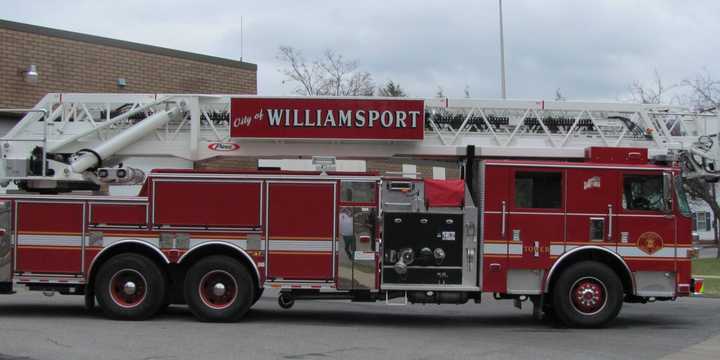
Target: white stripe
{"x":300,"y":245}
{"x":50,"y":240}
{"x":682,"y":252}
{"x":238,"y":242}
{"x":515,"y":249}
{"x":495,"y":249}
{"x":109,"y":240}
{"x":635,"y":252}
{"x":576,"y":214}
{"x":557,"y":250}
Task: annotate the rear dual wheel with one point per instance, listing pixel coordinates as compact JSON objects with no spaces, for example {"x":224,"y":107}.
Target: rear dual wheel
{"x":219,"y":288}
{"x":130,"y":287}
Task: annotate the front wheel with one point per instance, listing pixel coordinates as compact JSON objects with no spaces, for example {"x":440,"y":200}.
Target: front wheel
{"x":587,"y":294}
{"x":219,"y":288}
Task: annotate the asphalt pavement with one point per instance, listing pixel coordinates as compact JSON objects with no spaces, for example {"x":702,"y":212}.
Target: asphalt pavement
{"x":35,"y":327}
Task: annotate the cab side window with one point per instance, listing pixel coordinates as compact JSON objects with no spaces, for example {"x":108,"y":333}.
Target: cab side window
{"x":643,"y":192}
{"x":542,"y":190}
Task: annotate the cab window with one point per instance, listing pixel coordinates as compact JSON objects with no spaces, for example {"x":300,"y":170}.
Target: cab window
{"x":643,"y":192}
{"x":538,"y":190}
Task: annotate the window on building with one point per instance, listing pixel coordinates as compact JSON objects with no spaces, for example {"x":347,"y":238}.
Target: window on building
{"x":643,"y":192}
{"x":703,"y":221}
{"x":538,"y":190}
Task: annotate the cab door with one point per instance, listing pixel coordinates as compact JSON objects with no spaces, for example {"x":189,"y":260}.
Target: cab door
{"x":536,"y":220}
{"x":593,"y":197}
{"x":536,"y":216}
{"x":645,"y":220}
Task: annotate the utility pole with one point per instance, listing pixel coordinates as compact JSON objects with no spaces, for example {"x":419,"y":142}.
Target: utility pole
{"x":502,"y":54}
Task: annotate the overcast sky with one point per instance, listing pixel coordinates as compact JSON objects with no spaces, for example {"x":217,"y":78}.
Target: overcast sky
{"x":587,"y":49}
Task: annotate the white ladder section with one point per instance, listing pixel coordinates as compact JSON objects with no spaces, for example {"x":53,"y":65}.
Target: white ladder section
{"x":509,"y":128}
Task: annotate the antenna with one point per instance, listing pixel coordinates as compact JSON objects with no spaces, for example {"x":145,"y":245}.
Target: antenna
{"x":241,"y":38}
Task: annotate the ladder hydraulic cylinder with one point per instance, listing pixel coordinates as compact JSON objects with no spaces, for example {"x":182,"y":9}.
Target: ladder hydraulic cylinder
{"x":86,"y":160}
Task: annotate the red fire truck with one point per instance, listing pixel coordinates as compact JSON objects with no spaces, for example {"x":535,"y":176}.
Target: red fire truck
{"x":575,"y":207}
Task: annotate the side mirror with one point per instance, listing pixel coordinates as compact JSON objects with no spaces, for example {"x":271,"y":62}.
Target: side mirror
{"x":667,"y":192}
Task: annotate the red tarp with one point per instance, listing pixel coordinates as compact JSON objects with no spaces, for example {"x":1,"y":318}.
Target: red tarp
{"x":444,"y":193}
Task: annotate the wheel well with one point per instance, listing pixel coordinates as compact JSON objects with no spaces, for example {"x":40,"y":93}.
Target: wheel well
{"x":130,"y":247}
{"x":593,"y":254}
{"x":220,"y":249}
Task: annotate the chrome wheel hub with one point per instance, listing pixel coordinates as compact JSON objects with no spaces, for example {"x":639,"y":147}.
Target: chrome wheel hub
{"x":588,"y":295}
{"x":129,"y":288}
{"x":218,"y":289}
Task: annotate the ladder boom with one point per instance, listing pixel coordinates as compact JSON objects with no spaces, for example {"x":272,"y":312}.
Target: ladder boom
{"x":198,"y":127}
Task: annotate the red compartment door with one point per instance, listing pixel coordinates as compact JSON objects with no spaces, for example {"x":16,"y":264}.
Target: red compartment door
{"x":300,"y":240}
{"x":49,"y":237}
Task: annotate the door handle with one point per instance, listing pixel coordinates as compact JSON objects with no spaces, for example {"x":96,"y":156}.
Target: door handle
{"x":610,"y":222}
{"x":503,"y":221}
{"x":470,"y":258}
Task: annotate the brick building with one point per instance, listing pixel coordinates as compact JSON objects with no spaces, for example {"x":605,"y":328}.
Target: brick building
{"x":66,"y":61}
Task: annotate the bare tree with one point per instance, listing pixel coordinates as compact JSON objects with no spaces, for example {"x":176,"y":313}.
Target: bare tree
{"x":559,"y":96}
{"x":329,"y":75}
{"x":391,"y":89}
{"x":705,"y":96}
{"x":656,"y":93}
{"x":705,"y":92}
{"x":440,"y":92}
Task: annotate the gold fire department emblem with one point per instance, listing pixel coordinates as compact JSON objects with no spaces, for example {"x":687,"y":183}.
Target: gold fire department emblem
{"x":650,"y":242}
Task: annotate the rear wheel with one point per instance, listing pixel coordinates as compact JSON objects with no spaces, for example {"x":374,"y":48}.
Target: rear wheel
{"x":587,"y":294}
{"x":219,"y":288}
{"x":130,"y":287}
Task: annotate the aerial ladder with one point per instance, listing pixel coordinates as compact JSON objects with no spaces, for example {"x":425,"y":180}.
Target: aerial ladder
{"x":79,"y":141}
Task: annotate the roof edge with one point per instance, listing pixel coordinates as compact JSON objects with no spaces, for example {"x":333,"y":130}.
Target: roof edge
{"x":128,"y":45}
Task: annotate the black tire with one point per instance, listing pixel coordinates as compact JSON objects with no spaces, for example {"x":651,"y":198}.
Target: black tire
{"x":587,"y":294}
{"x":238,"y":287}
{"x":258,"y":295}
{"x":286,"y":301}
{"x":149,"y":281}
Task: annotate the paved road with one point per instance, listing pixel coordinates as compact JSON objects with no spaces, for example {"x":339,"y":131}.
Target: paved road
{"x":33,"y":327}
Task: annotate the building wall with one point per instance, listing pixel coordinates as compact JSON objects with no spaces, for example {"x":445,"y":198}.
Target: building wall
{"x":72,"y":62}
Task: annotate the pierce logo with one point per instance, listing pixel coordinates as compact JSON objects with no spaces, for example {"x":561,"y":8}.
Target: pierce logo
{"x":223,"y":146}
{"x":650,"y":242}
